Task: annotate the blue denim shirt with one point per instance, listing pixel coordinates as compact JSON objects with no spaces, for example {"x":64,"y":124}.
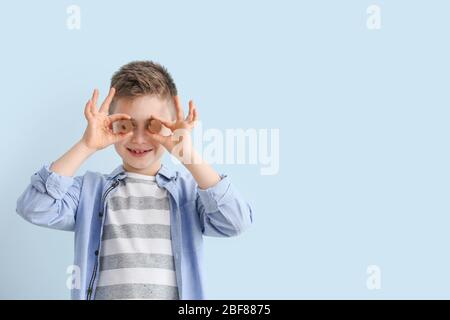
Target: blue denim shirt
{"x":78,"y":204}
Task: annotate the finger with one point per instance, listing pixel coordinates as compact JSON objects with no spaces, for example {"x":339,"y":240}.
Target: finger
{"x":195,"y":114}
{"x":168,"y":124}
{"x":154,"y":126}
{"x":190,"y":115}
{"x":105,"y":105}
{"x":178,"y":108}
{"x":94,"y":102}
{"x":119,"y":116}
{"x":87,"y":111}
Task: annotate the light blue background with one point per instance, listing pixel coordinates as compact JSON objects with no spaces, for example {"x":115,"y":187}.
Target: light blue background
{"x":363,"y":118}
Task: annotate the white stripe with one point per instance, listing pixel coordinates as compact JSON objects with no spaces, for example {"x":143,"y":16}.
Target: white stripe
{"x":140,"y":190}
{"x":132,"y":216}
{"x":136,"y":245}
{"x":137,"y":275}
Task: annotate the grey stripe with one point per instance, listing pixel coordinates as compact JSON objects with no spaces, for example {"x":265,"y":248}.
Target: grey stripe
{"x":137,"y":260}
{"x":113,"y":231}
{"x":135,"y":180}
{"x":139,"y":203}
{"x":136,"y":291}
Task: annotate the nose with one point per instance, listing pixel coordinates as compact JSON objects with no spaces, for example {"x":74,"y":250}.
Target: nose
{"x":139,"y":136}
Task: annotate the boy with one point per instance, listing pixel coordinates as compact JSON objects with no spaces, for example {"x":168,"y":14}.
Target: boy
{"x":138,"y":230}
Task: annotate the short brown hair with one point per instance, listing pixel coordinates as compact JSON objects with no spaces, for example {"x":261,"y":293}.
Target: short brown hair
{"x":139,"y":78}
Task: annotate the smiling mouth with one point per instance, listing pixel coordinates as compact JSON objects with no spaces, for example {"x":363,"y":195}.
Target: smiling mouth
{"x":139,"y":152}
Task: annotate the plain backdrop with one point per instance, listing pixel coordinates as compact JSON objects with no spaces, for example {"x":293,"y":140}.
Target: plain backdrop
{"x":362,"y":114}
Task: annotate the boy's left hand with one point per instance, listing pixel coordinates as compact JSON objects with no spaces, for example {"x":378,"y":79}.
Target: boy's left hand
{"x":179,"y":143}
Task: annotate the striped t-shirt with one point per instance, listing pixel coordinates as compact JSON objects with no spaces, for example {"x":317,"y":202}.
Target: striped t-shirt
{"x":136,"y":260}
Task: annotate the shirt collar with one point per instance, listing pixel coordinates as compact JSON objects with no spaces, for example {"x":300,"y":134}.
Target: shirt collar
{"x":164,"y":171}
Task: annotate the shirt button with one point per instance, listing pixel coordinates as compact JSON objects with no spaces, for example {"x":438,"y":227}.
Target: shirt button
{"x":96,"y":252}
{"x":100,"y":214}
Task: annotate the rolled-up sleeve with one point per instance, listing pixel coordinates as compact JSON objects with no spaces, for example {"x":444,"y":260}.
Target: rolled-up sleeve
{"x":223,"y":212}
{"x":50,"y":200}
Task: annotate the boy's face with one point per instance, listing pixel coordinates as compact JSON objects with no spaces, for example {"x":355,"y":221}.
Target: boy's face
{"x":141,"y":109}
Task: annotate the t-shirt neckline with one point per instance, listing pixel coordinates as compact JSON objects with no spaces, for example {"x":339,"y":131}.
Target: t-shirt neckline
{"x":140,"y":176}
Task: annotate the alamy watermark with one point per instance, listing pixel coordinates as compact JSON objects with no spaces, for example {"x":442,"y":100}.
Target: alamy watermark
{"x":234,"y":146}
{"x":373,"y":21}
{"x":373,"y":281}
{"x":74,"y":279}
{"x":73,"y":21}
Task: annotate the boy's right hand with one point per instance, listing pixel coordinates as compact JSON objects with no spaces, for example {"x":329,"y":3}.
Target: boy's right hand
{"x":99,"y":134}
